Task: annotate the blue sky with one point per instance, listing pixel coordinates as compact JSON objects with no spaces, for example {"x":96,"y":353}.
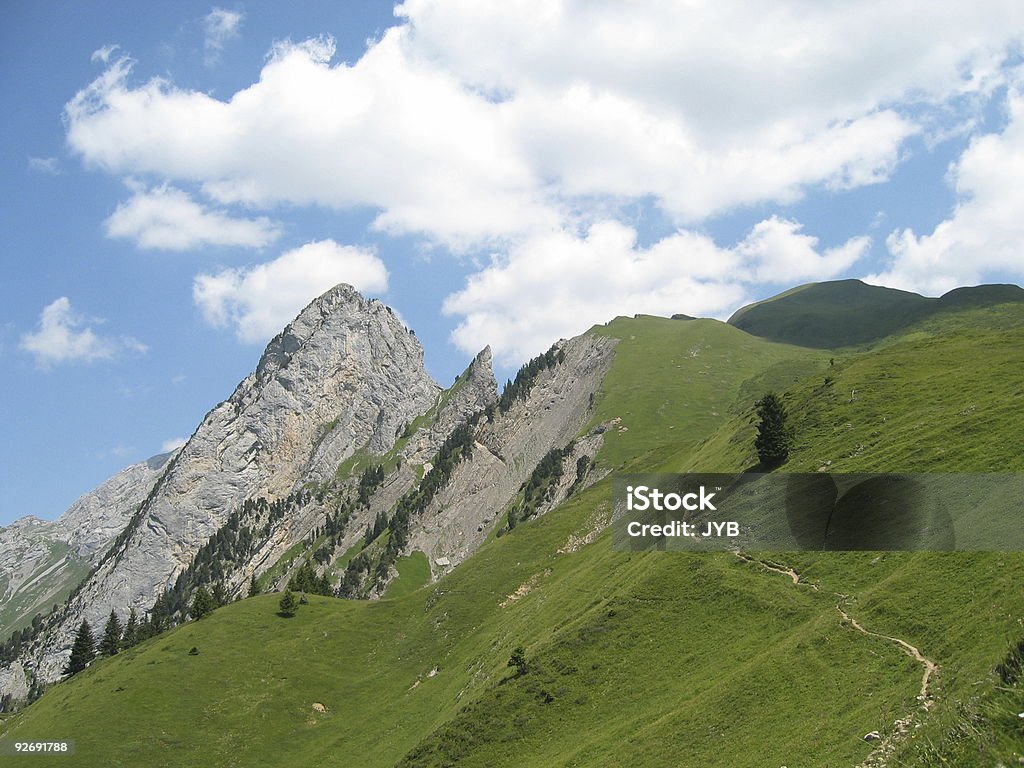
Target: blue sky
{"x":180,"y":178}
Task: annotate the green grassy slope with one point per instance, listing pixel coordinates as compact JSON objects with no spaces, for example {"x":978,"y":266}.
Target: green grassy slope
{"x":673,"y":383}
{"x":944,"y":395}
{"x":641,"y":660}
{"x":843,"y":313}
{"x":51,"y":582}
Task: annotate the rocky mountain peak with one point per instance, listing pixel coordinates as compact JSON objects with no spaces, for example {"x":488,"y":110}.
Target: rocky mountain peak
{"x":480,"y":376}
{"x":344,"y":376}
{"x":340,"y":310}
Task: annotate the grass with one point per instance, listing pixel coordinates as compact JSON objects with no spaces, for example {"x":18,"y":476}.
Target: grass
{"x":673,"y":383}
{"x":844,"y":313}
{"x":413,"y":573}
{"x":633,"y":659}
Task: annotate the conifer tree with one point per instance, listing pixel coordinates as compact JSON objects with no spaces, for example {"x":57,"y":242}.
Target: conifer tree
{"x":288,"y":603}
{"x":82,"y":652}
{"x":131,"y":630}
{"x":202,"y":604}
{"x":518,"y":660}
{"x":111,"y":642}
{"x":220,"y":597}
{"x":773,"y":435}
{"x":159,"y":615}
{"x":254,"y":588}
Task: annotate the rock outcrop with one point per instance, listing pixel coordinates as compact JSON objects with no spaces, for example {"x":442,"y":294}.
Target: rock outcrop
{"x":41,"y":561}
{"x":471,"y":393}
{"x":344,"y":376}
{"x":508,"y":448}
{"x":284,"y":460}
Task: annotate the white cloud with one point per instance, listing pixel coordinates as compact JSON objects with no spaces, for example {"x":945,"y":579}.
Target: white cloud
{"x":102,"y":55}
{"x":258,"y":302}
{"x":407,"y":140}
{"x":984,"y":236}
{"x":167,"y":218}
{"x":511,"y":131}
{"x":172,"y":444}
{"x":777,"y":252}
{"x":48,"y":165}
{"x":466,"y":124}
{"x":219,"y":26}
{"x":559,"y":284}
{"x":64,"y":336}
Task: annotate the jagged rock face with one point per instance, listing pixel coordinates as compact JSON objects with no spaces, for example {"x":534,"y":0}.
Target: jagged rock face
{"x":344,"y":378}
{"x":42,"y":560}
{"x":509,"y":448}
{"x":473,"y":391}
{"x":345,"y":375}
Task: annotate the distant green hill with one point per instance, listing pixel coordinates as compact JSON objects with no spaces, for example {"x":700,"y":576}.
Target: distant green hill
{"x":657,"y":659}
{"x":845,"y":313}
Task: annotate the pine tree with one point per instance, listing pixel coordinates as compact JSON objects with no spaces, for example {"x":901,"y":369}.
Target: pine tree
{"x":518,"y":660}
{"x":82,"y":652}
{"x":131,"y":630}
{"x":159,"y":615}
{"x":288,"y":603}
{"x":254,"y":588}
{"x":202,"y":604}
{"x":146,"y":630}
{"x":111,"y":642}
{"x":773,"y":435}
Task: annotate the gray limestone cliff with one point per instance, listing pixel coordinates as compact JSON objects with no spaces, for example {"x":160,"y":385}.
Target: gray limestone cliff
{"x":508,"y":447}
{"x":344,"y":376}
{"x":41,"y":561}
{"x":339,"y":399}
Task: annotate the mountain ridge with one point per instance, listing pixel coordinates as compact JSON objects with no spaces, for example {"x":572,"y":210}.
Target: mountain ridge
{"x":641,"y":659}
{"x":841,"y":313}
{"x":554,"y":419}
{"x":342,"y":359}
{"x":80,"y":535}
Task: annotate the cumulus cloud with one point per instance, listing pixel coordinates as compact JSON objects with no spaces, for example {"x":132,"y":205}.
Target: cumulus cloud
{"x":984,"y":236}
{"x":467,"y":125}
{"x":559,"y":284}
{"x":172,"y":444}
{"x":167,"y":218}
{"x":776,"y":251}
{"x":64,"y":336}
{"x":525,"y":132}
{"x":407,"y":140}
{"x":219,"y":26}
{"x":259,"y":301}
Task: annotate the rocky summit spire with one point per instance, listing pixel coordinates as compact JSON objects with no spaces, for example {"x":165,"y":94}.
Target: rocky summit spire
{"x":344,"y":376}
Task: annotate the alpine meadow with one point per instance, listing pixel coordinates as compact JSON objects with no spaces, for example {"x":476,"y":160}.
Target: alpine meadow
{"x":531,"y":642}
{"x":562,"y":384}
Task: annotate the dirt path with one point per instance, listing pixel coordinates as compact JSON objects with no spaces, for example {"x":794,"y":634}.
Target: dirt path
{"x":930,"y":667}
{"x":879,"y":756}
{"x":785,"y":570}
